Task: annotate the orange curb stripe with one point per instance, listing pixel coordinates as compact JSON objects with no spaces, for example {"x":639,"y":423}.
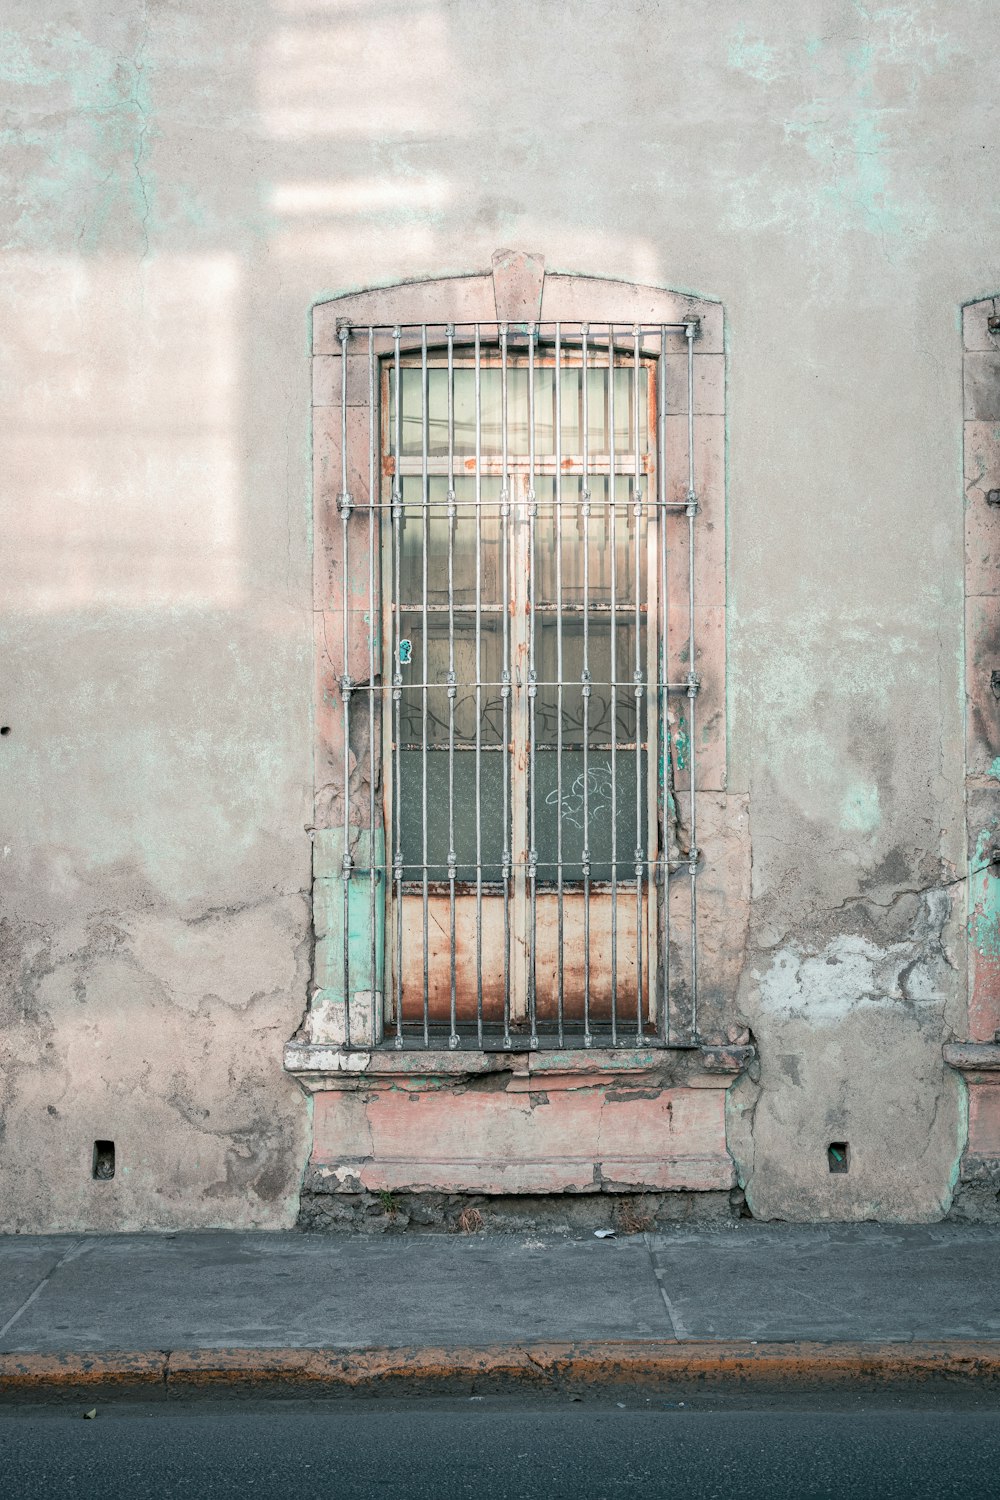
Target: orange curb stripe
{"x":121,"y":1368}
{"x":538,"y":1364}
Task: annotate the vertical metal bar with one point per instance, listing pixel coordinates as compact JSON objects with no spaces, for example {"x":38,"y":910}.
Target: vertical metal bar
{"x":585,"y":689}
{"x":532,"y":693}
{"x":518,"y":606}
{"x":666,"y":779}
{"x":479,"y":691}
{"x":692,"y":511}
{"x":560,"y":921}
{"x":344,"y":507}
{"x":638,"y":679}
{"x":397,"y":682}
{"x":425,"y":485}
{"x":503,"y":594}
{"x":373,"y":617}
{"x":453,"y":1038}
{"x":613,"y":522}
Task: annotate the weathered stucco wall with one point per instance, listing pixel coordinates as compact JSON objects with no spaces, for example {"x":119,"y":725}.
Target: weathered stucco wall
{"x":183,"y":181}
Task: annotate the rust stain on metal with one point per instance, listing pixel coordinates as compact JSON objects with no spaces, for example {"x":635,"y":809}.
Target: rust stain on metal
{"x":546,"y":956}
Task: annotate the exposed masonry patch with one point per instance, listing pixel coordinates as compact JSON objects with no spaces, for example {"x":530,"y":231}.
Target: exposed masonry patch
{"x":851,"y":970}
{"x":627,"y":1212}
{"x":977,"y":1195}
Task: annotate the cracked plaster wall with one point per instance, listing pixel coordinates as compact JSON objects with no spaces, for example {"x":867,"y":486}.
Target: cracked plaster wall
{"x":183,"y":181}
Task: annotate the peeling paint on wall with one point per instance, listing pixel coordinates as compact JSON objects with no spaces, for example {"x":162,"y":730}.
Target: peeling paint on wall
{"x":984,"y":899}
{"x":851,"y":970}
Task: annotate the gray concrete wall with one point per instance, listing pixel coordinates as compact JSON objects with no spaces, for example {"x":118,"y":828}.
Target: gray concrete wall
{"x":183,"y":180}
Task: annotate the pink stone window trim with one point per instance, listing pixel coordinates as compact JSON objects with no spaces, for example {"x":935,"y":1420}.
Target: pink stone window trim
{"x":517,"y":289}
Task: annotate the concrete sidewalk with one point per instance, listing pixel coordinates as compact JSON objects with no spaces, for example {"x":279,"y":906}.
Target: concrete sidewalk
{"x":264,"y":1301}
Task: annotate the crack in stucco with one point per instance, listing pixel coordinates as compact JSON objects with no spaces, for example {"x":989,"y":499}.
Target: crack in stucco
{"x":136,"y":101}
{"x":238,"y":908}
{"x":113,"y":1031}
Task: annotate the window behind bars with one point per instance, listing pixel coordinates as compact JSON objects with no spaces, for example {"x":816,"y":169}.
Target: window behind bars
{"x":507,"y":641}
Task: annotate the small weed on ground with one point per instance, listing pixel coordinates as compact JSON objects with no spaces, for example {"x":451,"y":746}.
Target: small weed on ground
{"x":632,"y":1217}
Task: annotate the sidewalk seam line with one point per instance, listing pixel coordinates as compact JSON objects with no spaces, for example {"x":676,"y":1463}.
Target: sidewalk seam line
{"x":39,"y":1289}
{"x":680,"y":1332}
{"x":676,"y":1328}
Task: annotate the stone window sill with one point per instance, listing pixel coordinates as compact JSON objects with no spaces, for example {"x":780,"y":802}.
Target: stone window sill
{"x":319,"y":1067}
{"x":978,"y":1062}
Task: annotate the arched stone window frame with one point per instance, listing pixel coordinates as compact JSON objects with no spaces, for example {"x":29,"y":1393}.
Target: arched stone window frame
{"x":517,"y":289}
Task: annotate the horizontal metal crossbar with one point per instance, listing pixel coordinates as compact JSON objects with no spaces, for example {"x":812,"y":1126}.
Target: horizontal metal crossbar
{"x":569,"y":332}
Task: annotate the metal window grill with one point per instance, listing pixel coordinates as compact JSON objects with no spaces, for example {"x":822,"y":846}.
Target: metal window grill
{"x":518,"y":784}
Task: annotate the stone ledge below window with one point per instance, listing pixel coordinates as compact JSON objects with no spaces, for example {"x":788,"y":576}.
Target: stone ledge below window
{"x":974,"y":1058}
{"x":318,"y":1067}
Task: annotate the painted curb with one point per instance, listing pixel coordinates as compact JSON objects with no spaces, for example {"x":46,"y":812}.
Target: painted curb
{"x":497,"y":1368}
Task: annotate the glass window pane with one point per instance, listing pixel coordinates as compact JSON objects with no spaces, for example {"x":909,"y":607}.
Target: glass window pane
{"x":571,"y":407}
{"x":411,"y":531}
{"x":553,"y":812}
{"x":491,"y":407}
{"x":599,"y":541}
{"x":492,"y":769}
{"x":602,"y":700}
{"x":411,"y":670}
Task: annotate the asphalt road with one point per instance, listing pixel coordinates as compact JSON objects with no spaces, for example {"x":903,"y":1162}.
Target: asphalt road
{"x":493,"y":1449}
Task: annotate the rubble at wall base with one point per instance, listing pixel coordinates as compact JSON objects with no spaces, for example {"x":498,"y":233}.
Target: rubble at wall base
{"x":471,"y":1213}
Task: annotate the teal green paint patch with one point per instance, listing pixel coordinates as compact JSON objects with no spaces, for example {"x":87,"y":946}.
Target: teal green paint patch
{"x":994,"y":770}
{"x":111,"y":96}
{"x":626,"y":1061}
{"x":854,"y":156}
{"x":755,"y":58}
{"x":984,"y":900}
{"x":859,"y":60}
{"x":18,"y":66}
{"x":328,"y":911}
{"x":851,"y":134}
{"x":860,"y":811}
{"x":681,"y":744}
{"x":871,"y":189}
{"x":962,"y":1137}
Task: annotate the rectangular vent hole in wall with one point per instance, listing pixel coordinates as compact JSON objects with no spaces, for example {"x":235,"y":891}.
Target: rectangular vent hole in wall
{"x":838,"y":1155}
{"x":104,"y":1160}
